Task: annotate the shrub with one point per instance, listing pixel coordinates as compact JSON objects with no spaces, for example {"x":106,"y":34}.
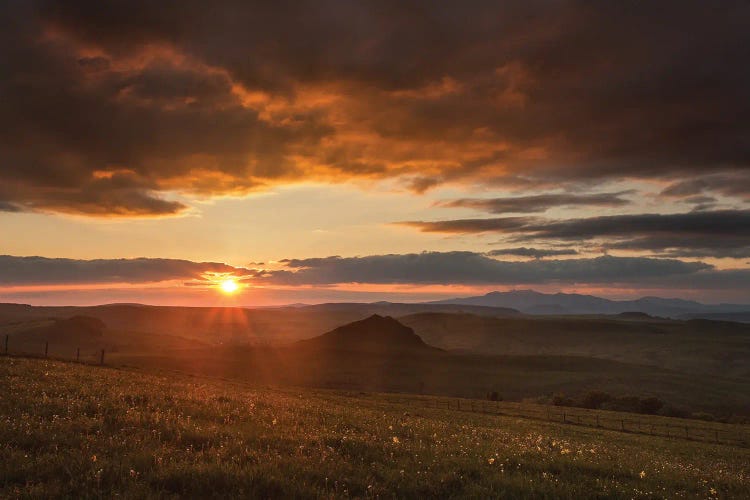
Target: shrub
{"x":594,"y":399}
{"x":703,"y":416}
{"x":672,"y":411}
{"x":560,"y":399}
{"x":650,"y":405}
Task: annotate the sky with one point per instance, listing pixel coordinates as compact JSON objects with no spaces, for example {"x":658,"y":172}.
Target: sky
{"x":372,"y":150}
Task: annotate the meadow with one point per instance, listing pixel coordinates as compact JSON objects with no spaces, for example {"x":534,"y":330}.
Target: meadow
{"x":71,"y":430}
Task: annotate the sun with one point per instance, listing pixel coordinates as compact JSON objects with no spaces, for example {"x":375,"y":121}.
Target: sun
{"x":229,"y":286}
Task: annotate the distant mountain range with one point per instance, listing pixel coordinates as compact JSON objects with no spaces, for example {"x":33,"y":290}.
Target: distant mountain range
{"x":532,"y":302}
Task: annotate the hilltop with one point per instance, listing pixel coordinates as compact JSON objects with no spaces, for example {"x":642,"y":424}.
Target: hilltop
{"x":374,"y":334}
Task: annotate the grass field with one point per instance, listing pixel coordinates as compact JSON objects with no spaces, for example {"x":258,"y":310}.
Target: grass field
{"x":79,"y":431}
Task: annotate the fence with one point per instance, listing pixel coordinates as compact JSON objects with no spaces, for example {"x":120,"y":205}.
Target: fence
{"x":652,"y":425}
{"x":54,"y":350}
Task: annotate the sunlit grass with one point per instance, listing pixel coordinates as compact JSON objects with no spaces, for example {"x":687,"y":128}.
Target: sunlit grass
{"x":70,"y":430}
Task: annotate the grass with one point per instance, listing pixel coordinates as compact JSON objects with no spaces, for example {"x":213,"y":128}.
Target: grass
{"x":70,"y":430}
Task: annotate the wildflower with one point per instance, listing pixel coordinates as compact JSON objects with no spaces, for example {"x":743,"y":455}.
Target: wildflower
{"x":133,"y":473}
{"x":396,"y":440}
{"x":93,"y":458}
{"x":491,"y":460}
{"x":712,"y":491}
{"x":642,"y":474}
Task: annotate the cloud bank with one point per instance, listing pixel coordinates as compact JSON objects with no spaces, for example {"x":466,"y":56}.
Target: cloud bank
{"x":47,"y":271}
{"x":418,"y":269}
{"x":719,"y":233}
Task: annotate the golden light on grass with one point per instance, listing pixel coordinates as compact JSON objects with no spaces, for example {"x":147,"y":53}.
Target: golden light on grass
{"x":229,"y":286}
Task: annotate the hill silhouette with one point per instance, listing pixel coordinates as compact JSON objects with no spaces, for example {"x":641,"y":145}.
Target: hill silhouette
{"x":76,"y":329}
{"x":373,"y":334}
{"x":532,"y":302}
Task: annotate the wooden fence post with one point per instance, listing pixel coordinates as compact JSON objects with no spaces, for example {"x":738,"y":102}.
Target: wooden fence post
{"x":46,"y":348}
{"x":78,"y":354}
{"x":101,"y":359}
{"x":687,"y":434}
{"x":597,"y":420}
{"x":622,"y":425}
{"x":716,"y":434}
{"x":6,"y":343}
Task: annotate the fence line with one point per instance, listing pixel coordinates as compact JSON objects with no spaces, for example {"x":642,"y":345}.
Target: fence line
{"x":582,"y":417}
{"x":62,"y":352}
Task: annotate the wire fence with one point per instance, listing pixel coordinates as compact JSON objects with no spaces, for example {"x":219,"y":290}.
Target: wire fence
{"x":730,"y":434}
{"x":51,"y":350}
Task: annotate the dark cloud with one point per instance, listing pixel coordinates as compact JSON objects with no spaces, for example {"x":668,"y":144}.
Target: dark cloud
{"x":42,"y":270}
{"x":720,"y":233}
{"x":474,"y":268}
{"x":8,"y":207}
{"x":735,"y":184}
{"x":539,"y":203}
{"x":465,"y":226}
{"x":233,"y":97}
{"x":537,"y":253}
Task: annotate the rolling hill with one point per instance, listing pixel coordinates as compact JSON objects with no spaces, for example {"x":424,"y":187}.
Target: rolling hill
{"x":375,"y":334}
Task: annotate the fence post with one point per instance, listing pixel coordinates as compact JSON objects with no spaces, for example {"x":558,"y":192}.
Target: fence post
{"x":687,"y":436}
{"x":622,"y":425}
{"x":101,"y":359}
{"x":716,"y":433}
{"x":78,"y":354}
{"x":565,"y":419}
{"x":6,"y":343}
{"x":597,"y":420}
{"x":46,"y":348}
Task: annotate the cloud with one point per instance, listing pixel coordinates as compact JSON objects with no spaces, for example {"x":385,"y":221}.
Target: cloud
{"x":41,"y":270}
{"x":537,"y":253}
{"x":246,"y":95}
{"x":735,"y":184}
{"x":719,"y":233}
{"x":474,"y":268}
{"x":8,"y":207}
{"x":539,"y":203}
{"x":464,"y":226}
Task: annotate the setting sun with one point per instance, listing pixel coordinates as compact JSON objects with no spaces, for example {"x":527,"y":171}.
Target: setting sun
{"x":229,"y":286}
